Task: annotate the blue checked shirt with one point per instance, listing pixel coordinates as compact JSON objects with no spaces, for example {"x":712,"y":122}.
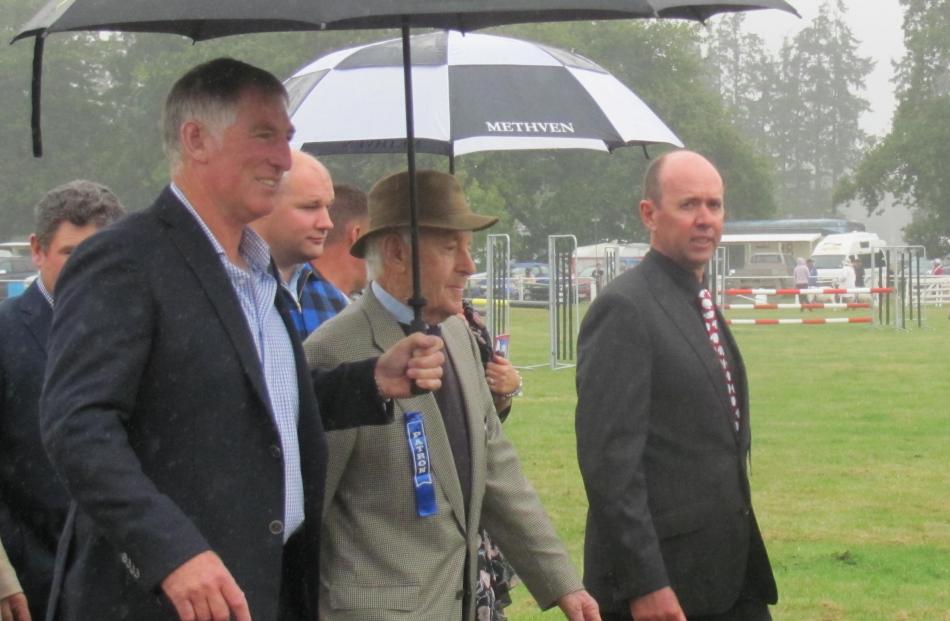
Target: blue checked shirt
{"x":314,"y":299}
{"x":256,"y":291}
{"x":46,"y":294}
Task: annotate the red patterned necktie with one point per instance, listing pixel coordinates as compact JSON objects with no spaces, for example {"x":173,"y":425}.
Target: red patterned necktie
{"x":712,"y":329}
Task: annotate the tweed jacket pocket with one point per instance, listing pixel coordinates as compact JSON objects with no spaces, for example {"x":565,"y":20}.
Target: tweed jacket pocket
{"x":356,"y":596}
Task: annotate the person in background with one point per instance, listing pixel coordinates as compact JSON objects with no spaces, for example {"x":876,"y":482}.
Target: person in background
{"x":858,"y":272}
{"x":598,"y":275}
{"x":800,"y":276}
{"x":936,"y":268}
{"x":343,"y":274}
{"x":662,"y":424}
{"x":495,"y":574}
{"x":847,"y":280}
{"x":296,"y":232}
{"x":812,"y":273}
{"x":33,"y":503}
{"x":502,"y":377}
{"x":812,"y":278}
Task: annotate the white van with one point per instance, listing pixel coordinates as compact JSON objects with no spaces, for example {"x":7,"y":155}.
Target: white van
{"x":831,"y":252}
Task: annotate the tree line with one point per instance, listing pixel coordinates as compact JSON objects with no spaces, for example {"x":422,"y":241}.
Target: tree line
{"x":783,"y":128}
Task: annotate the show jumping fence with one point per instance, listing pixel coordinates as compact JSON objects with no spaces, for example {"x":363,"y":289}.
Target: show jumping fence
{"x":562,"y":295}
{"x":897,"y":290}
{"x":498,"y":281}
{"x":563,"y":304}
{"x":802,"y":306}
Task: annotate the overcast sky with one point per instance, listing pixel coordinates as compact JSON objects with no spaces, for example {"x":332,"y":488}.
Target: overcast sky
{"x":875,"y":23}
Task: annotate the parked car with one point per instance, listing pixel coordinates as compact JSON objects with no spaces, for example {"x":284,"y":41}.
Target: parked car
{"x":14,"y":249}
{"x":587,"y":276}
{"x":538,"y":289}
{"x":529,"y":282}
{"x":522,"y":275}
{"x":16,"y":273}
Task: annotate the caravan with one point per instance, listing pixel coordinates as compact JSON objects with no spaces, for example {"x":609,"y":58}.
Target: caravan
{"x":831,"y":252}
{"x":624,"y":255}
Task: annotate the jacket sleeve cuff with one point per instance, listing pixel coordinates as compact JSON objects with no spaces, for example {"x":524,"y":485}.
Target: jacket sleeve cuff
{"x":348,"y":396}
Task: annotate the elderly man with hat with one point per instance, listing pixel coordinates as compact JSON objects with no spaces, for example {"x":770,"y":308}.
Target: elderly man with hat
{"x":404,"y":501}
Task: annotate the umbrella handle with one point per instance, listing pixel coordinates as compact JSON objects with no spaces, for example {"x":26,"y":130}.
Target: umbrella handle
{"x":36,"y":87}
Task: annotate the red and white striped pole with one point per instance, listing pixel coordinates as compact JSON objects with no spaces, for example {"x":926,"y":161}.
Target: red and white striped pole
{"x":815,"y":321}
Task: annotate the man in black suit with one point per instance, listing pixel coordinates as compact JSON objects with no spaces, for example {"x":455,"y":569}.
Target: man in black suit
{"x":663,"y":424}
{"x":178,"y":408}
{"x":32,"y":501}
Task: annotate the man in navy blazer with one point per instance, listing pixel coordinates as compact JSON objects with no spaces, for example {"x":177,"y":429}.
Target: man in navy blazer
{"x":663,"y":424}
{"x":33,"y":503}
{"x":178,"y":409}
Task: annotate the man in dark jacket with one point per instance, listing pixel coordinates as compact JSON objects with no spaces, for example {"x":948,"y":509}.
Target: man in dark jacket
{"x":33,"y":503}
{"x":178,"y":409}
{"x":663,"y":424}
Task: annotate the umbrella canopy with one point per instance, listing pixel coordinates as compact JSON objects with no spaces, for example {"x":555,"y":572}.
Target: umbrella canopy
{"x":472,"y":92}
{"x":205,"y":20}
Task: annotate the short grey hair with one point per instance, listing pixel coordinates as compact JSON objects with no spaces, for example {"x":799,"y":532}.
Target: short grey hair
{"x":209,"y":93}
{"x":78,"y":202}
{"x":375,"y":265}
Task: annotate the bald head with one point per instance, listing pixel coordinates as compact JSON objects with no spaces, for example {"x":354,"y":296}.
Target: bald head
{"x":652,"y":187}
{"x":683,"y":208}
{"x":304,"y":166}
{"x":298,"y":226}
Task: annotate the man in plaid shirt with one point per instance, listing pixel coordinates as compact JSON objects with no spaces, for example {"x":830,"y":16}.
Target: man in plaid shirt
{"x":296,"y":231}
{"x":318,"y":301}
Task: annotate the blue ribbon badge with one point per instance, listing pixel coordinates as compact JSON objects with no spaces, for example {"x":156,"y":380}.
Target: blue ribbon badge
{"x":422,"y":479}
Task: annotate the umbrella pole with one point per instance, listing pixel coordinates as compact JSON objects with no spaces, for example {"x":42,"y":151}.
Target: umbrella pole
{"x":417,"y":301}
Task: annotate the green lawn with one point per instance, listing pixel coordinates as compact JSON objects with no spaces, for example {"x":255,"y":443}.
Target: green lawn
{"x":851,"y":462}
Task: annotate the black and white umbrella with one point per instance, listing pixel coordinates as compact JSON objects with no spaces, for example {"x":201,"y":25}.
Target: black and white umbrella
{"x":471,"y":92}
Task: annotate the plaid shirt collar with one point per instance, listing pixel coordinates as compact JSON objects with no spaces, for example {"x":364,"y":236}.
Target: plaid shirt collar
{"x":313,"y":299}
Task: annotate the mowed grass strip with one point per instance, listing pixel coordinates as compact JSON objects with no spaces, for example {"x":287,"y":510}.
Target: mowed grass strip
{"x":850,"y":461}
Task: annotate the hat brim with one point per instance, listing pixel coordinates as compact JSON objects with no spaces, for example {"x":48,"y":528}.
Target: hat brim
{"x":459,"y":222}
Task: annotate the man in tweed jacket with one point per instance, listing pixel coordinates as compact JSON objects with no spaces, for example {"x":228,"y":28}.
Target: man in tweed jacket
{"x":396,"y":544}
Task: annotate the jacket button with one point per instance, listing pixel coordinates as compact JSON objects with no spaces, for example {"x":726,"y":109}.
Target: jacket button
{"x":276,"y":451}
{"x":276,"y":527}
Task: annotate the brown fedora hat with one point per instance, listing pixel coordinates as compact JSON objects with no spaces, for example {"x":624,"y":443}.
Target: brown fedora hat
{"x":442,"y":205}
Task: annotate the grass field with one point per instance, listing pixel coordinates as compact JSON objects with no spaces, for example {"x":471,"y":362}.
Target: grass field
{"x":850,"y":462}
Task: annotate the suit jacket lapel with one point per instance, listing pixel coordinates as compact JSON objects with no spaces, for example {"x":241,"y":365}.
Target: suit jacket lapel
{"x":36,"y":314}
{"x":471,"y":376}
{"x":197,"y":251}
{"x":386,"y":332}
{"x":688,"y":322}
